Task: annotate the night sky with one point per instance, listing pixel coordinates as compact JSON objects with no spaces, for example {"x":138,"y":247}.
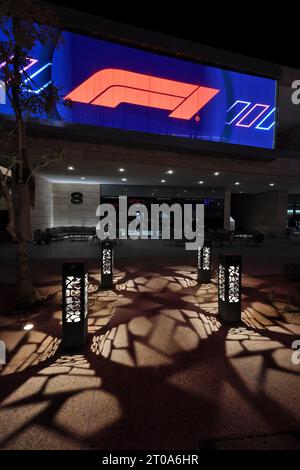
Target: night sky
{"x":258,"y":29}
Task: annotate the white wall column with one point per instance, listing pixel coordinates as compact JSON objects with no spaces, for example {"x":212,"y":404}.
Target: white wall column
{"x":42,"y":211}
{"x":65,"y":209}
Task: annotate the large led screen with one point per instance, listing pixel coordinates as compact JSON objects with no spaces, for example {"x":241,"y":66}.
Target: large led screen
{"x":121,"y":87}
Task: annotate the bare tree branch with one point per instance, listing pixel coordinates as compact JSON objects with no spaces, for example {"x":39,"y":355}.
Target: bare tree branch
{"x":59,"y":156}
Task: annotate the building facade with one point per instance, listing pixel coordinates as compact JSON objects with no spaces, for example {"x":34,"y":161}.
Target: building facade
{"x":162,"y":119}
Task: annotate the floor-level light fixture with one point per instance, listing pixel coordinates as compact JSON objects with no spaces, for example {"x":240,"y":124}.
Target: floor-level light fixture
{"x":204,"y":262}
{"x":107,"y":264}
{"x":229,"y":284}
{"x":75,"y":304}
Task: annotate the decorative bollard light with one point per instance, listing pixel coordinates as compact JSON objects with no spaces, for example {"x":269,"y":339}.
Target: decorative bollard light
{"x":204,"y":263}
{"x":229,"y":283}
{"x":75,"y":304}
{"x":107,"y":253}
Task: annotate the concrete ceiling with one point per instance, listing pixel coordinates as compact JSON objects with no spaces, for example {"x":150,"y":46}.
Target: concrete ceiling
{"x":91,"y":171}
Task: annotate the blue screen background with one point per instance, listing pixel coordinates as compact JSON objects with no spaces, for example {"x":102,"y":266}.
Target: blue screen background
{"x":78,"y":57}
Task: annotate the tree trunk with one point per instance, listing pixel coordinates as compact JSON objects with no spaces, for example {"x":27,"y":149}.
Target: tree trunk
{"x":20,"y":229}
{"x":22,"y":211}
{"x":25,"y":290}
{"x":21,"y":199}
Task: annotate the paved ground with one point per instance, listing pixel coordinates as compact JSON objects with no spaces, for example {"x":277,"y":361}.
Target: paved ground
{"x":159,"y":369}
{"x":268,"y":258}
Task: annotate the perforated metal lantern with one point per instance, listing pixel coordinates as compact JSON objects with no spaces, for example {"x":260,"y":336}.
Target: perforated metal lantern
{"x":204,"y":263}
{"x":75,"y":304}
{"x":107,"y":253}
{"x":229,"y":284}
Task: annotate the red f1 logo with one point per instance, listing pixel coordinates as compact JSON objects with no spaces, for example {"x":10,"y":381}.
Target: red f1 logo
{"x":110,"y":87}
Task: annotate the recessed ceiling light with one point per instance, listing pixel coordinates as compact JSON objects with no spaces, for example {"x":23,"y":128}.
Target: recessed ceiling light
{"x":121,"y":170}
{"x":28,"y":327}
{"x":216,"y":173}
{"x":272,"y":184}
{"x":170,"y":172}
{"x":201,"y":182}
{"x":71,"y":168}
{"x":237,"y":183}
{"x":83,"y":178}
{"x":124,"y":179}
{"x":163,"y":181}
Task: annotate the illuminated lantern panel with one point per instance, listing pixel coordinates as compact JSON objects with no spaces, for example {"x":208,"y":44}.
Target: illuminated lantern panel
{"x":106,"y":264}
{"x":2,"y":353}
{"x":221,"y":280}
{"x":233,"y":284}
{"x":229,"y":284}
{"x":204,"y":263}
{"x":75,"y":304}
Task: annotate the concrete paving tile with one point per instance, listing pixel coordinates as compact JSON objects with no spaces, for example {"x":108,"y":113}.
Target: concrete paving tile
{"x":162,"y":334}
{"x":149,"y":357}
{"x":261,"y":345}
{"x":186,"y":339}
{"x":37,"y":437}
{"x":140,"y":326}
{"x":121,"y":338}
{"x":199,"y":327}
{"x":197,"y":377}
{"x":175,"y":314}
{"x":16,"y":420}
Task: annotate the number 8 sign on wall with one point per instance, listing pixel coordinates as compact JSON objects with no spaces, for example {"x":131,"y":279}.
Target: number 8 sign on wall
{"x":76,"y":198}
